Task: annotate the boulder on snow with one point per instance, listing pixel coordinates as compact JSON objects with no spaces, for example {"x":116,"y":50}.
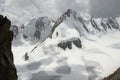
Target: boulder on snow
{"x":26,"y":56}
{"x":7,"y":67}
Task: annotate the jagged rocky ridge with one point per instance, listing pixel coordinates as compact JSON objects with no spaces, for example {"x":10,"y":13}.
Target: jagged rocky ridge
{"x":59,"y":30}
{"x":42,"y":28}
{"x":37,"y":29}
{"x":96,"y":24}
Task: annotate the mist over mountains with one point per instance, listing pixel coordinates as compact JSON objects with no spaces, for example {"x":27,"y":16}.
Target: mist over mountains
{"x":15,"y":9}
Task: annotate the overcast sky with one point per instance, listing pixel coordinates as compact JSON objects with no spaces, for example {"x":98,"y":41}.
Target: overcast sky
{"x":15,"y":9}
{"x":50,"y":8}
{"x":104,"y":8}
{"x":97,"y":8}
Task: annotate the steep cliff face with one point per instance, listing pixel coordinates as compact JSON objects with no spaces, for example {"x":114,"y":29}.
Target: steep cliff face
{"x":37,"y":29}
{"x":7,"y":67}
{"x":27,"y":32}
{"x":72,"y":20}
{"x":89,"y":25}
{"x":69,"y":25}
{"x":42,"y":28}
{"x":72,"y":36}
{"x":110,"y":23}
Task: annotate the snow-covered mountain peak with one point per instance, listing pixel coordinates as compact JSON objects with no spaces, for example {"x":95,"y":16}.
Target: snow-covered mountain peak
{"x":73,"y":46}
{"x":69,"y":23}
{"x":38,"y":29}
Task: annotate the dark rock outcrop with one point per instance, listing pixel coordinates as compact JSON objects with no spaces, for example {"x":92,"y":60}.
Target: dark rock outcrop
{"x":109,"y":23}
{"x":26,"y":56}
{"x":94,"y":24}
{"x":68,"y":44}
{"x":42,"y":28}
{"x":83,"y":23}
{"x":7,"y":67}
{"x":15,"y":30}
{"x":61,"y":19}
{"x":114,"y":76}
{"x":38,"y":29}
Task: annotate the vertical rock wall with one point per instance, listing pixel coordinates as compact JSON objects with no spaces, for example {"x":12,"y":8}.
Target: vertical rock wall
{"x":7,"y":67}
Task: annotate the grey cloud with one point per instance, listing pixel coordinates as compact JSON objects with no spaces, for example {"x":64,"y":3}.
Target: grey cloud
{"x":51,"y":8}
{"x":54,"y":8}
{"x":104,"y":8}
{"x":79,"y":5}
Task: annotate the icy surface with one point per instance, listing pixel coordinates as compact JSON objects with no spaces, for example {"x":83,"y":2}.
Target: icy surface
{"x":97,"y":59}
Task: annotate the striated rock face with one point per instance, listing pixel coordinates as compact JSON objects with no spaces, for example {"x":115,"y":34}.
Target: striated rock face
{"x":105,"y":24}
{"x":37,"y":29}
{"x":68,"y":44}
{"x":7,"y":67}
{"x":42,"y":28}
{"x":28,"y":30}
{"x":109,"y":23}
{"x":62,"y":18}
{"x":72,"y":18}
{"x":94,"y":24}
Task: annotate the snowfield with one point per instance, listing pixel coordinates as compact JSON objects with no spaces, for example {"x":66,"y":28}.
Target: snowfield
{"x":98,"y":58}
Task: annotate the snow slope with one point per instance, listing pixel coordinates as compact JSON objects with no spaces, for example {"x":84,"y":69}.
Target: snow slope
{"x":97,"y":59}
